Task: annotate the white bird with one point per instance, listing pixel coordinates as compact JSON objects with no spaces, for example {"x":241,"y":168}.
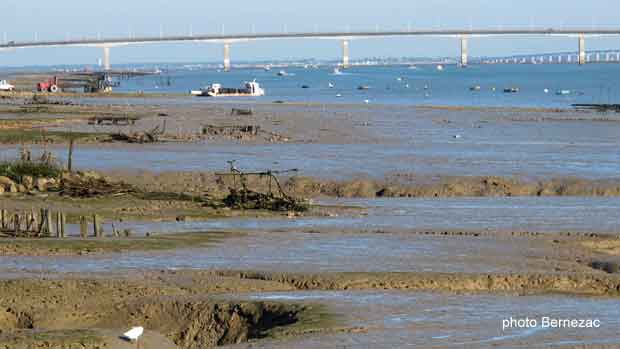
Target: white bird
{"x":331,"y":85}
{"x":134,"y":334}
{"x":546,"y":90}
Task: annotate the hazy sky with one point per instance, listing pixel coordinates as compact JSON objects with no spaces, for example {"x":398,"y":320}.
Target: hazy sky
{"x":59,"y":19}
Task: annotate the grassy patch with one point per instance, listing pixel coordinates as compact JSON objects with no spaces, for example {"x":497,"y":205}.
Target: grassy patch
{"x":78,"y":246}
{"x":311,"y":319}
{"x":16,"y":170}
{"x":15,"y":136}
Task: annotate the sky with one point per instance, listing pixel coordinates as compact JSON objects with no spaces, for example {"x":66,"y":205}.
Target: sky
{"x":61,"y":19}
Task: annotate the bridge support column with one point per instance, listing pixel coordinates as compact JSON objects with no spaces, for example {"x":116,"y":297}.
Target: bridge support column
{"x":345,"y":54}
{"x":464,"y":51}
{"x":226,"y":57}
{"x":582,"y":49}
{"x":106,"y":58}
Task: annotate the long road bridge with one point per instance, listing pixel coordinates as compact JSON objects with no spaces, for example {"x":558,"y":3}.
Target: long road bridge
{"x":227,"y":40}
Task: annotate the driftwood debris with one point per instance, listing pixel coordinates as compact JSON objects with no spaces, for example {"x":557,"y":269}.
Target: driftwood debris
{"x":236,"y":131}
{"x":32,"y":224}
{"x":241,"y":111}
{"x":92,"y":186}
{"x":151,"y":136}
{"x":275,"y":199}
{"x":112,"y":120}
{"x":242,"y":132}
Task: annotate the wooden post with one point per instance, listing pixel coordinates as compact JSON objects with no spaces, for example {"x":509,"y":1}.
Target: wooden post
{"x":64,"y":225}
{"x":3,"y":218}
{"x":33,"y":221}
{"x":70,"y":156}
{"x":83,"y":227}
{"x":43,"y":225}
{"x":48,"y":223}
{"x":115,"y":232}
{"x":97,"y":226}
{"x":58,"y":224}
{"x":29,"y":217}
{"x":61,"y":221}
{"x":16,"y":224}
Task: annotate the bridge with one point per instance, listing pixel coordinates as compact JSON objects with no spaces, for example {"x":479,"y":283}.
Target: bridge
{"x":592,"y":56}
{"x":463,"y":34}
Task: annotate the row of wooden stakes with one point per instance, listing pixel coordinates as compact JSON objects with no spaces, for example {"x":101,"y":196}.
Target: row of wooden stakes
{"x":45,"y":223}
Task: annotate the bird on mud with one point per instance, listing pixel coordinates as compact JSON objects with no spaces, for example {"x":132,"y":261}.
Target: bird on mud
{"x":134,"y":334}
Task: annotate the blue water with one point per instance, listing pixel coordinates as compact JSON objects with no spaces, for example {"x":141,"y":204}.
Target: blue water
{"x":594,"y":83}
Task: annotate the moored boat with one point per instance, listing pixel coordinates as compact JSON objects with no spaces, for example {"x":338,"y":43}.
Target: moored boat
{"x":250,"y":89}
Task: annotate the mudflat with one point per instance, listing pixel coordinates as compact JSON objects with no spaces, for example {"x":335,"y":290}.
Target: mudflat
{"x":425,"y":226}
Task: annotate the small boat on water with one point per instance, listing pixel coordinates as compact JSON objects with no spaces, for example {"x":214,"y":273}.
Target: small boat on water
{"x":337,"y":71}
{"x":267,"y":68}
{"x":511,"y":90}
{"x":439,"y":67}
{"x":283,"y":73}
{"x":563,"y":92}
{"x":363,"y":87}
{"x":331,"y":85}
{"x":475,"y":88}
{"x":250,"y":89}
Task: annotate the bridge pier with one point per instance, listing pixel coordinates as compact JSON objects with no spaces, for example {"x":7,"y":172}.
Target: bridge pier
{"x":226,"y":57}
{"x":582,"y":49}
{"x":345,"y":54}
{"x":464,"y":51}
{"x":106,"y":58}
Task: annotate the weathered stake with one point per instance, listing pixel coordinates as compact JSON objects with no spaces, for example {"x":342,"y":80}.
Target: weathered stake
{"x":3,"y":218}
{"x":70,"y":156}
{"x":97,"y":226}
{"x":83,"y":227}
{"x":48,"y":223}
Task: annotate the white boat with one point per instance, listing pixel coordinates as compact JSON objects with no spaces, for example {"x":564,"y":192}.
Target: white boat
{"x":250,"y":89}
{"x":267,"y":68}
{"x":563,"y":92}
{"x":5,"y":86}
{"x":337,"y":71}
{"x":282,"y":73}
{"x":439,"y":67}
{"x":331,"y":85}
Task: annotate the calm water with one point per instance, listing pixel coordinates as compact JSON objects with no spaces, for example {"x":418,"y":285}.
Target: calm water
{"x":289,"y":245}
{"x":539,"y":214}
{"x":422,"y":320}
{"x":426,"y":85}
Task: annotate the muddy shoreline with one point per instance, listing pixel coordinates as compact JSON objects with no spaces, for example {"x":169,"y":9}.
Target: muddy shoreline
{"x":202,"y":288}
{"x":400,"y":185}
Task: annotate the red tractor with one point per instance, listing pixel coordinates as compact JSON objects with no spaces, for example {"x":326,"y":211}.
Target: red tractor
{"x":50,"y":85}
